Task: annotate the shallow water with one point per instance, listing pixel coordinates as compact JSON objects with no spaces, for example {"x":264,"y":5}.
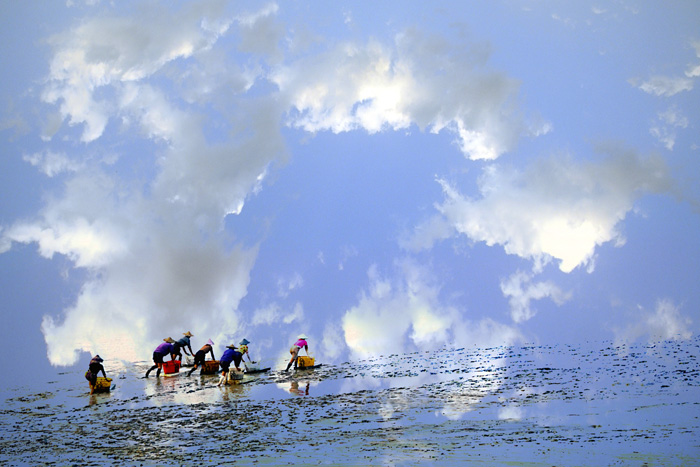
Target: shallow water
{"x":532,"y":405}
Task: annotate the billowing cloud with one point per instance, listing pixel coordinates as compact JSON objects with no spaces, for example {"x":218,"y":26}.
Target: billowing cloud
{"x":149,"y":275}
{"x":189,"y":106}
{"x":406,"y":313}
{"x":261,"y":31}
{"x":417,"y":80}
{"x":664,"y":323}
{"x":521,"y":291}
{"x":666,"y":85}
{"x":555,"y":208}
{"x":156,"y":257}
{"x":107,"y":51}
{"x":145,"y":298}
{"x":86,"y":224}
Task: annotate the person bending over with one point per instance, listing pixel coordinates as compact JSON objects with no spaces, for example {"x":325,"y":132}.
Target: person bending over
{"x":200,"y":356}
{"x":161,"y":351}
{"x":298,"y":345}
{"x":93,"y":370}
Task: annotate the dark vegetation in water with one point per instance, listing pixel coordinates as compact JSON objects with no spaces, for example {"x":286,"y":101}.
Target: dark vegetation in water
{"x":534,"y":405}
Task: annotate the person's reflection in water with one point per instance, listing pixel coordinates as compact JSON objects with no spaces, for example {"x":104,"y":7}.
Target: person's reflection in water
{"x":233,"y":392}
{"x":97,"y":398}
{"x":294,"y":389}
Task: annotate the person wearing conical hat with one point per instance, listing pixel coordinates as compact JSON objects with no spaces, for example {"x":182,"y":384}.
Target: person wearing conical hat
{"x":231,"y":354}
{"x":201,"y":356}
{"x":243,"y":349}
{"x":301,"y":342}
{"x":184,"y":344}
{"x":93,"y":369}
{"x":161,"y":351}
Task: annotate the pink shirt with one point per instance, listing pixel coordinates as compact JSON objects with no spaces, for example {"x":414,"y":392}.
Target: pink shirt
{"x":301,"y":343}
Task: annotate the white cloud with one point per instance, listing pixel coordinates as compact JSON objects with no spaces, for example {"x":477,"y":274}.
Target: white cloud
{"x":76,"y":225}
{"x":664,"y":323}
{"x":108,"y":51}
{"x":521,"y":291}
{"x":261,"y":31}
{"x":664,"y":128}
{"x":5,"y":242}
{"x":297,"y":314}
{"x":52,"y":163}
{"x":266,"y":315}
{"x":666,"y":86}
{"x":426,"y":234}
{"x":287,"y":285}
{"x":418,"y":80}
{"x":395,"y":316}
{"x":156,"y":258}
{"x":556,"y":208}
{"x":694,"y":70}
{"x":144,"y":298}
{"x":274,"y":314}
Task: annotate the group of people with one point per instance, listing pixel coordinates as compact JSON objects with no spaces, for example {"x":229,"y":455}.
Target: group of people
{"x":174,"y":348}
{"x":232,"y":354}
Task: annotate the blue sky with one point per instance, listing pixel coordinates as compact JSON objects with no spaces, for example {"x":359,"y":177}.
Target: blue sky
{"x":384,"y":179}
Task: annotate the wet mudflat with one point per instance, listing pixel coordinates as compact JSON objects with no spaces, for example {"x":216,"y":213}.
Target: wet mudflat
{"x":532,"y":405}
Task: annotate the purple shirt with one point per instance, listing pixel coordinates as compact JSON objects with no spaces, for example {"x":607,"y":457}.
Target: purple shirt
{"x":301,"y":343}
{"x":164,"y":348}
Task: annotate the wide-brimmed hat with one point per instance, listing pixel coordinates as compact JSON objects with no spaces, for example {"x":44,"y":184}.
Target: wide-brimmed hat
{"x":231,"y":346}
{"x":245,"y":342}
{"x":210,"y":342}
{"x":98,"y":358}
{"x":169,"y":340}
{"x":188,"y":334}
{"x":303,"y":336}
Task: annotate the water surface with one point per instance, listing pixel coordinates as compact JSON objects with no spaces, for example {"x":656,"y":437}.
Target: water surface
{"x":596,"y":404}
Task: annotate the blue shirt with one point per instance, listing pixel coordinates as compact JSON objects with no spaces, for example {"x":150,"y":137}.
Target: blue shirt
{"x":227,"y":357}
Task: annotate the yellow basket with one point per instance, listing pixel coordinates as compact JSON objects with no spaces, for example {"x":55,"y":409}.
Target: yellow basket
{"x":304,"y":362}
{"x":103,"y":384}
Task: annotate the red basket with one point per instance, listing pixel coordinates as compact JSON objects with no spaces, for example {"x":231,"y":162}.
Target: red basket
{"x":171,"y":367}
